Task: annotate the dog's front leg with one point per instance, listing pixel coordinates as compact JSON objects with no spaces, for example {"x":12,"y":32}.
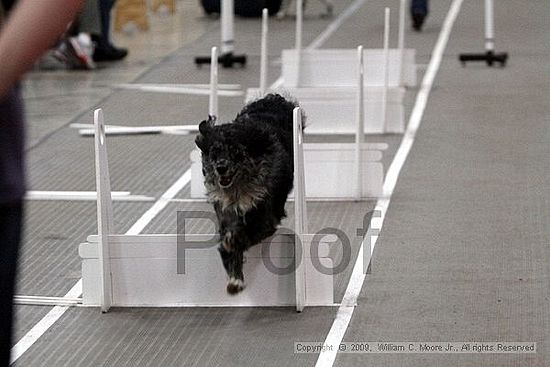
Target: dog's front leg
{"x":234,"y":241}
{"x":233,"y":264}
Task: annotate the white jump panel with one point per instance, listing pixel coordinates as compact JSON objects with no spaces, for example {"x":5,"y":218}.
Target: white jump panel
{"x":329,"y":169}
{"x":144,"y":273}
{"x":330,"y":111}
{"x":338,"y":68}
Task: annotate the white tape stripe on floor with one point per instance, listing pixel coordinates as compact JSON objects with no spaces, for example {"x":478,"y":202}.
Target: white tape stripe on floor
{"x":345,"y":311}
{"x":160,"y":204}
{"x":43,"y":325}
{"x":336,"y":24}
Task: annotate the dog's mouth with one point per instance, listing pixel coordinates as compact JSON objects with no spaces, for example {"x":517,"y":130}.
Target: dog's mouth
{"x":226,"y":181}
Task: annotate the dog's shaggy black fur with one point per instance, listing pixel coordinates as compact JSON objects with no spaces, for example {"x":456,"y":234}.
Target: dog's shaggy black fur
{"x":248,"y":173}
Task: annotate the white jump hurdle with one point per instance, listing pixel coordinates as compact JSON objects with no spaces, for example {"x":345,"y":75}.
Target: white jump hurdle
{"x":329,"y":171}
{"x":142,"y":270}
{"x":325,"y":83}
{"x":334,"y":67}
{"x":332,"y":162}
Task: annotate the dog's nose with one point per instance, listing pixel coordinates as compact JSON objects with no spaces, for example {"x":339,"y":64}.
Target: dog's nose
{"x":221,"y":169}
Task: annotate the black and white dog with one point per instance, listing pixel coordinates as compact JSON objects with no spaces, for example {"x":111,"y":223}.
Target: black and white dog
{"x":248,"y":173}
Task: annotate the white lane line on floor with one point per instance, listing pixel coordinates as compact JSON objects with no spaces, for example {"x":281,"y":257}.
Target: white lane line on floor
{"x":76,"y":291}
{"x":334,"y":25}
{"x":160,"y":204}
{"x":345,"y":311}
{"x":43,"y":325}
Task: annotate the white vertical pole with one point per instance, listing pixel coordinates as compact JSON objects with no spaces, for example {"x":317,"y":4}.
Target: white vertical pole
{"x":489,"y":26}
{"x":213,"y":100}
{"x":360,"y":119}
{"x":299,"y":211}
{"x":263,"y":55}
{"x":227,"y":16}
{"x":104,"y":211}
{"x":401,"y":41}
{"x":298,"y":46}
{"x":386,"y":68}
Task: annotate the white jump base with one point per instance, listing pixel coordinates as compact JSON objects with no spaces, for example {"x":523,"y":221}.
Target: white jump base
{"x":329,"y":168}
{"x":338,"y":68}
{"x":144,"y":274}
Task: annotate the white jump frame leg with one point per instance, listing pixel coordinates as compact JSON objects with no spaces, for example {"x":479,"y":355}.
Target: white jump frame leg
{"x":386,"y":68}
{"x":401,"y":41}
{"x":300,"y":211}
{"x":104,"y":211}
{"x":298,"y":44}
{"x":264,"y":52}
{"x":213,"y":97}
{"x":360,"y":119}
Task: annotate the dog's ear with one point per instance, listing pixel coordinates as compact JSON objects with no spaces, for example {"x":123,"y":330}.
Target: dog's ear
{"x":205,"y":130}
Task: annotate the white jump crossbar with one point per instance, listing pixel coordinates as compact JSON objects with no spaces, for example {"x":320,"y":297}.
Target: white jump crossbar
{"x":225,"y":90}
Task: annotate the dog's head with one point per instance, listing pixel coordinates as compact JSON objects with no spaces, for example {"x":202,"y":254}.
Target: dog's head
{"x":230,"y":158}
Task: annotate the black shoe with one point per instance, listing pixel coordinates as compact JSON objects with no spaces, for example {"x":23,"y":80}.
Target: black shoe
{"x":418,"y":20}
{"x":109,"y":53}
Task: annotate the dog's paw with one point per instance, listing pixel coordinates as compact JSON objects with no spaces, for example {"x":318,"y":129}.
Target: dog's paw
{"x":235,"y":286}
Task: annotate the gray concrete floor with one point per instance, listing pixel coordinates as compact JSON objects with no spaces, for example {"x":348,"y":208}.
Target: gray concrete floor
{"x":464,"y":254}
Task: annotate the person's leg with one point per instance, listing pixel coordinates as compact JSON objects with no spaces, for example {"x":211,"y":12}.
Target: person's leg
{"x":419,"y":12}
{"x":105,"y":7}
{"x":11,"y":218}
{"x":105,"y":50}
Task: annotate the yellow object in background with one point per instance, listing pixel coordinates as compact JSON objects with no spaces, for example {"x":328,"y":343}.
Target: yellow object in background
{"x":170,"y":5}
{"x":131,"y":11}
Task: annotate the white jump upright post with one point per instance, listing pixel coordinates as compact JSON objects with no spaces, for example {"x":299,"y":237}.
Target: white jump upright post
{"x":263,"y":53}
{"x":300,"y":212}
{"x":401,"y":41}
{"x":386,"y":67}
{"x":298,"y":43}
{"x":227,"y":57}
{"x":490,"y":57}
{"x":213,"y":99}
{"x":104,"y":211}
{"x":227,"y":19}
{"x":360,"y":118}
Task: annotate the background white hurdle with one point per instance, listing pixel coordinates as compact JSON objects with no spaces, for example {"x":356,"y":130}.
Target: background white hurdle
{"x":359,"y":160}
{"x":141,"y":270}
{"x":325,"y":82}
{"x":331,"y":67}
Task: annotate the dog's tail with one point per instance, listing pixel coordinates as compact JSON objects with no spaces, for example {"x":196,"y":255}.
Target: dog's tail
{"x":274,"y":109}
